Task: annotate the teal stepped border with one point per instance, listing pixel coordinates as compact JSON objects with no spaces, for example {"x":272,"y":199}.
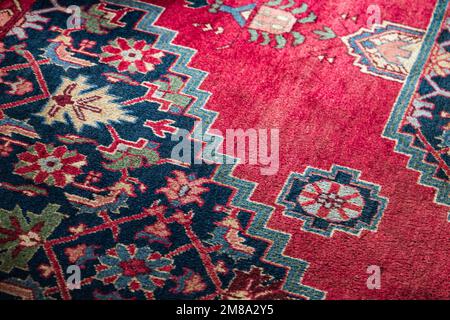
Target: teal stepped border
{"x":244,"y":189}
{"x":404,"y":142}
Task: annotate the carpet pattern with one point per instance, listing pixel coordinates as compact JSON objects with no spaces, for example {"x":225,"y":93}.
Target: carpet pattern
{"x":93,"y":99}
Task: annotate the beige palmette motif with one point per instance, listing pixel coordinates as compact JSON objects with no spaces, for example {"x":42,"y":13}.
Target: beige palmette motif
{"x":387,"y":50}
{"x":83,"y":107}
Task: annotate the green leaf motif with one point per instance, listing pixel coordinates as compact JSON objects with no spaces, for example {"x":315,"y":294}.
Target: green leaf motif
{"x":300,"y":9}
{"x":309,"y":19}
{"x":253,"y":35}
{"x":131,"y":159}
{"x":23,"y":233}
{"x":325,"y":34}
{"x":299,"y":38}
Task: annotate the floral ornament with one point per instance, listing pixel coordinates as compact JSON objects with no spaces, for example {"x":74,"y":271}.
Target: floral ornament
{"x":331,"y":201}
{"x":31,"y":20}
{"x":131,"y":55}
{"x":228,"y":236}
{"x":419,"y":109}
{"x":76,"y":101}
{"x":157,"y":232}
{"x":81,"y":254}
{"x":133,"y":268}
{"x":131,"y":158}
{"x":221,"y":267}
{"x":47,"y":164}
{"x":439,"y":62}
{"x":45,"y":270}
{"x":188,"y":283}
{"x":93,"y":177}
{"x":254,"y":285}
{"x":23,"y":233}
{"x":184,"y":189}
{"x":19,"y":87}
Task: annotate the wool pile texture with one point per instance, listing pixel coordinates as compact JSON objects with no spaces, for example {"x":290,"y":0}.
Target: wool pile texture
{"x":353,"y":97}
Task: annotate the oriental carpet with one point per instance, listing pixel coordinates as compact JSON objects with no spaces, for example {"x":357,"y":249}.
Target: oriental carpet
{"x":95,"y":96}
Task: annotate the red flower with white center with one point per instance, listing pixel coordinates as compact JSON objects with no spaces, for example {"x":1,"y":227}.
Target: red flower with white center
{"x":331,"y":201}
{"x":184,"y":189}
{"x":131,"y":55}
{"x":47,"y":164}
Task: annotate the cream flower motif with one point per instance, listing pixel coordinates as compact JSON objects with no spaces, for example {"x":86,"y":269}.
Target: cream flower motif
{"x":84,"y":107}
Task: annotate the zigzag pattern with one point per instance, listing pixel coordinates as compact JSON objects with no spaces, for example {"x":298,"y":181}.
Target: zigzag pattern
{"x":244,"y":188}
{"x":404,"y":142}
